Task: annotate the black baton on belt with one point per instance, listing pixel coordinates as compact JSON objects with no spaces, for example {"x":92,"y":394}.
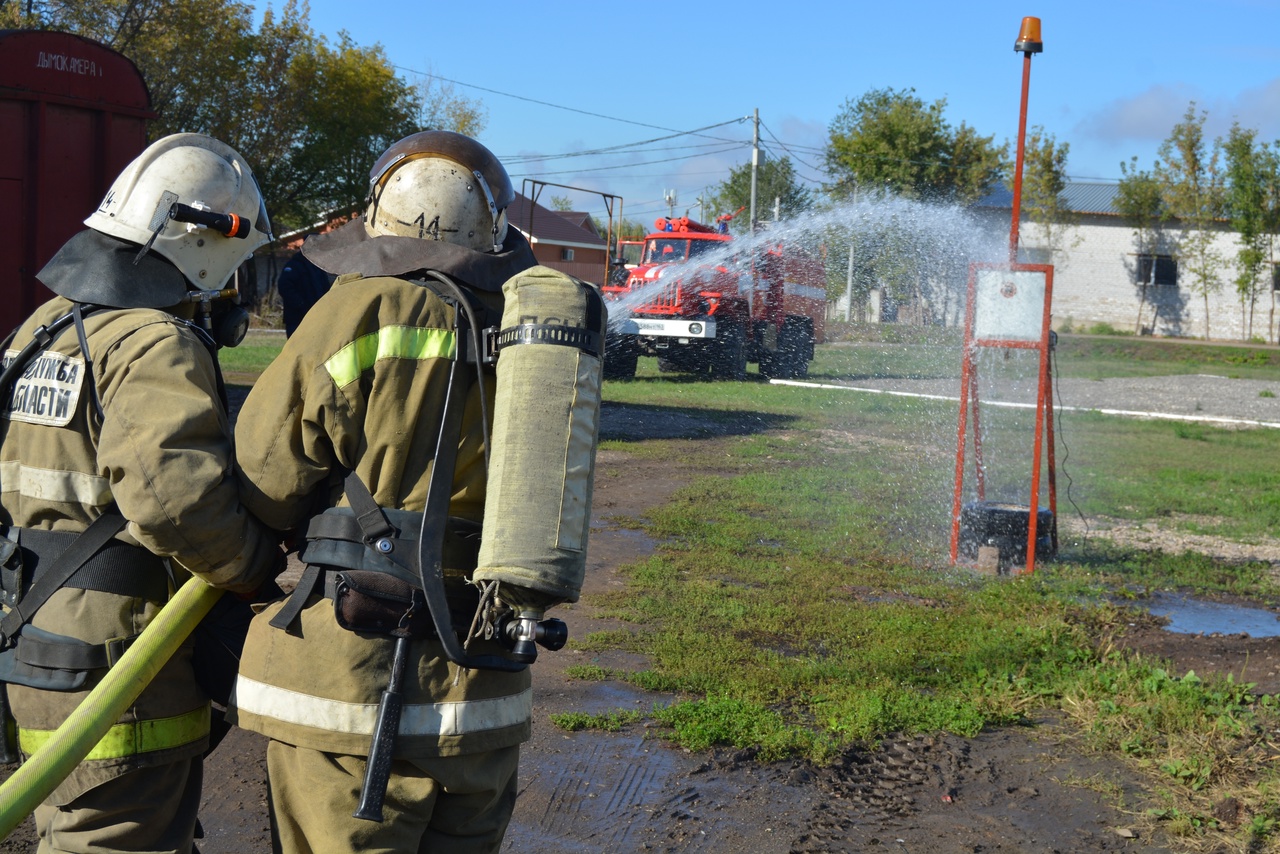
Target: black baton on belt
{"x":377,"y":770}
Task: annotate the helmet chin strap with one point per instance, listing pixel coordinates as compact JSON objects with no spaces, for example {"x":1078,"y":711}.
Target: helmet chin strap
{"x":494,"y":213}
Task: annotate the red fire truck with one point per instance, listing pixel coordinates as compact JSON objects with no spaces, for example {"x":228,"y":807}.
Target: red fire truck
{"x":703,"y":305}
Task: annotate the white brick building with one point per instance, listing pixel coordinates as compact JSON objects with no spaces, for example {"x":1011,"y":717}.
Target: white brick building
{"x":1097,"y":269}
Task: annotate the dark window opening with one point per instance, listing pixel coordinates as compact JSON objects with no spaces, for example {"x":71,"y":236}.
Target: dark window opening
{"x":1166,"y":270}
{"x":566,"y":254}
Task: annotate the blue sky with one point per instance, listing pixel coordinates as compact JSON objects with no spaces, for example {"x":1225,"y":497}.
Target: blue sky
{"x":568,"y":77}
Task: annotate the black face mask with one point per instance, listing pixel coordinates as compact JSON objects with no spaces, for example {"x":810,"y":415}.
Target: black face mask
{"x":220,"y":317}
{"x":229,"y":323}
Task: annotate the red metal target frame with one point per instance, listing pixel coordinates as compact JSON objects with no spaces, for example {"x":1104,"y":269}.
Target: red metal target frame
{"x":970,"y":403}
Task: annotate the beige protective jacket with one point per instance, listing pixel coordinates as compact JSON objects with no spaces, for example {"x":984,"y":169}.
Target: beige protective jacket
{"x":360,"y":386}
{"x":163,"y":455}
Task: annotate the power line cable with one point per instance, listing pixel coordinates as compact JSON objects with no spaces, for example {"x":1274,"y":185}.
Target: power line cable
{"x":561,"y":106}
{"x":526,"y":158}
{"x":787,"y":149}
{"x":631,"y":165}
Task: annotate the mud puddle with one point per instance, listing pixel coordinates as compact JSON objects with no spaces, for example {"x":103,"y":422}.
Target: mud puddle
{"x":1190,"y":616}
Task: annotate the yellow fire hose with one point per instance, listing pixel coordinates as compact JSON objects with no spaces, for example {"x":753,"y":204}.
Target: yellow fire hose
{"x":79,"y":733}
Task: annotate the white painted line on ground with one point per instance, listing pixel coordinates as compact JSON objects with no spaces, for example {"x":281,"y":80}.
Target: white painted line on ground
{"x":1167,"y":416}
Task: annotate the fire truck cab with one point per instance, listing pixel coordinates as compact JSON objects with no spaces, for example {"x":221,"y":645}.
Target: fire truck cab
{"x":705,"y":304}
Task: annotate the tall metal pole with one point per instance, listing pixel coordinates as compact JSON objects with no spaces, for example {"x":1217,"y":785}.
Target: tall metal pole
{"x":755,"y":166}
{"x":1028,"y":42}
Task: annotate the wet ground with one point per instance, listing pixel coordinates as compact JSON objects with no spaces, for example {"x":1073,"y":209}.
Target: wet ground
{"x":1025,"y":789}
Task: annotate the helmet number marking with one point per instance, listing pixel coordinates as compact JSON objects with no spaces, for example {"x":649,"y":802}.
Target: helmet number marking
{"x":429,"y":229}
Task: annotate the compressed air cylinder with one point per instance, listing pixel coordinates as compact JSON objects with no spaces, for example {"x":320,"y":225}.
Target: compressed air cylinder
{"x":545,"y":427}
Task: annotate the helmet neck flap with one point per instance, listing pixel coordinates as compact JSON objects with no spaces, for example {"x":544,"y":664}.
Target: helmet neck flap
{"x":350,"y":249}
{"x":95,"y":268}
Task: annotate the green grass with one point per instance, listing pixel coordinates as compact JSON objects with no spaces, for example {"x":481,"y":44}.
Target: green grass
{"x":1099,"y":357}
{"x":254,"y":353}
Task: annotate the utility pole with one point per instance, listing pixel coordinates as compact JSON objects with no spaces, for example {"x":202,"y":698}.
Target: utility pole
{"x":755,"y":165}
{"x":670,"y":198}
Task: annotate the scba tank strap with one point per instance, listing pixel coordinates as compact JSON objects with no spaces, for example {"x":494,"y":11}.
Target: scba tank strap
{"x":588,"y":339}
{"x":86,"y":545}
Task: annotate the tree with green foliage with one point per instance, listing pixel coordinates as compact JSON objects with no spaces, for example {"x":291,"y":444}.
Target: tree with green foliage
{"x":1271,"y":225}
{"x":351,"y":107}
{"x":1248,"y":165}
{"x":891,"y":141}
{"x":444,"y":109}
{"x":1192,"y":185}
{"x":1141,"y":204}
{"x":1044,"y":179}
{"x":776,"y":182}
{"x":309,"y":115}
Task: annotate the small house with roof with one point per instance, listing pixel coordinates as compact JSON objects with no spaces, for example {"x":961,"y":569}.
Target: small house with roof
{"x":562,"y":240}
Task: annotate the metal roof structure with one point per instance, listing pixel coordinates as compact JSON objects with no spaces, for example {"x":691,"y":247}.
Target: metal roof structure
{"x":1082,"y":197}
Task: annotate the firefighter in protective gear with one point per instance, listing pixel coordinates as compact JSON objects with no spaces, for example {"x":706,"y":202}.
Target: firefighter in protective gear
{"x":342,"y":428}
{"x":116,"y":447}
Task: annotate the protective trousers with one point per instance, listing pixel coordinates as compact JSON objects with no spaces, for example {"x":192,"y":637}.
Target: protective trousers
{"x":150,"y":809}
{"x":443,"y":805}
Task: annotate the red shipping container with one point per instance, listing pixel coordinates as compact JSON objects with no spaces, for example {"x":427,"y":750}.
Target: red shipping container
{"x":73,"y":113}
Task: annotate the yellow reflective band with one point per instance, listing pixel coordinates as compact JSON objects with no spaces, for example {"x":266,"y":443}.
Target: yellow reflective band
{"x":389,"y":342}
{"x":133,"y":738}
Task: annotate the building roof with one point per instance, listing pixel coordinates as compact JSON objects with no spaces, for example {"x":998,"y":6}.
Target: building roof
{"x":1084,"y":197}
{"x":548,"y":226}
{"x":581,"y":219}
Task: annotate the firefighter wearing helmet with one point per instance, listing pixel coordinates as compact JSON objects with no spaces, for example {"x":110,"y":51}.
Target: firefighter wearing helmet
{"x":392,"y":683}
{"x":117,"y":484}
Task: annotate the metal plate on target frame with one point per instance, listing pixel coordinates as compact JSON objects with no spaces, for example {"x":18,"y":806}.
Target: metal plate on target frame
{"x":1009,"y":305}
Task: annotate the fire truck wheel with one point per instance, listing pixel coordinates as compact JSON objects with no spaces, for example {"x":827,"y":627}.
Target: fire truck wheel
{"x":729,"y":357}
{"x":620,"y":357}
{"x":796,"y":342}
{"x":791,"y":361}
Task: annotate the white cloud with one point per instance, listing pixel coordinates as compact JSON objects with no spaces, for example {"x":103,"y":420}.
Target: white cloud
{"x":1151,"y":115}
{"x":1146,"y":116}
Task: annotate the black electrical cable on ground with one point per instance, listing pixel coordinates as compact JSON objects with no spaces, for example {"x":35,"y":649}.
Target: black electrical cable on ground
{"x":1059,"y":436}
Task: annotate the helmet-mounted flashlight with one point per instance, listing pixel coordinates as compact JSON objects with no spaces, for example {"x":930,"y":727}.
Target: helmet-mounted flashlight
{"x":228,"y":224}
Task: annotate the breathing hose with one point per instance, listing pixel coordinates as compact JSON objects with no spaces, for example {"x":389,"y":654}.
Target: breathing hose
{"x":81,"y":731}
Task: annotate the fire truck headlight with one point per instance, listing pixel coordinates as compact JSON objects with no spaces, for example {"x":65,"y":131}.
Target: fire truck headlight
{"x":695,"y":328}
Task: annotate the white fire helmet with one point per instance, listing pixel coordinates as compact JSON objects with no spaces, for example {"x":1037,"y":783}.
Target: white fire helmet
{"x":207,"y":180}
{"x":440,"y":185}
